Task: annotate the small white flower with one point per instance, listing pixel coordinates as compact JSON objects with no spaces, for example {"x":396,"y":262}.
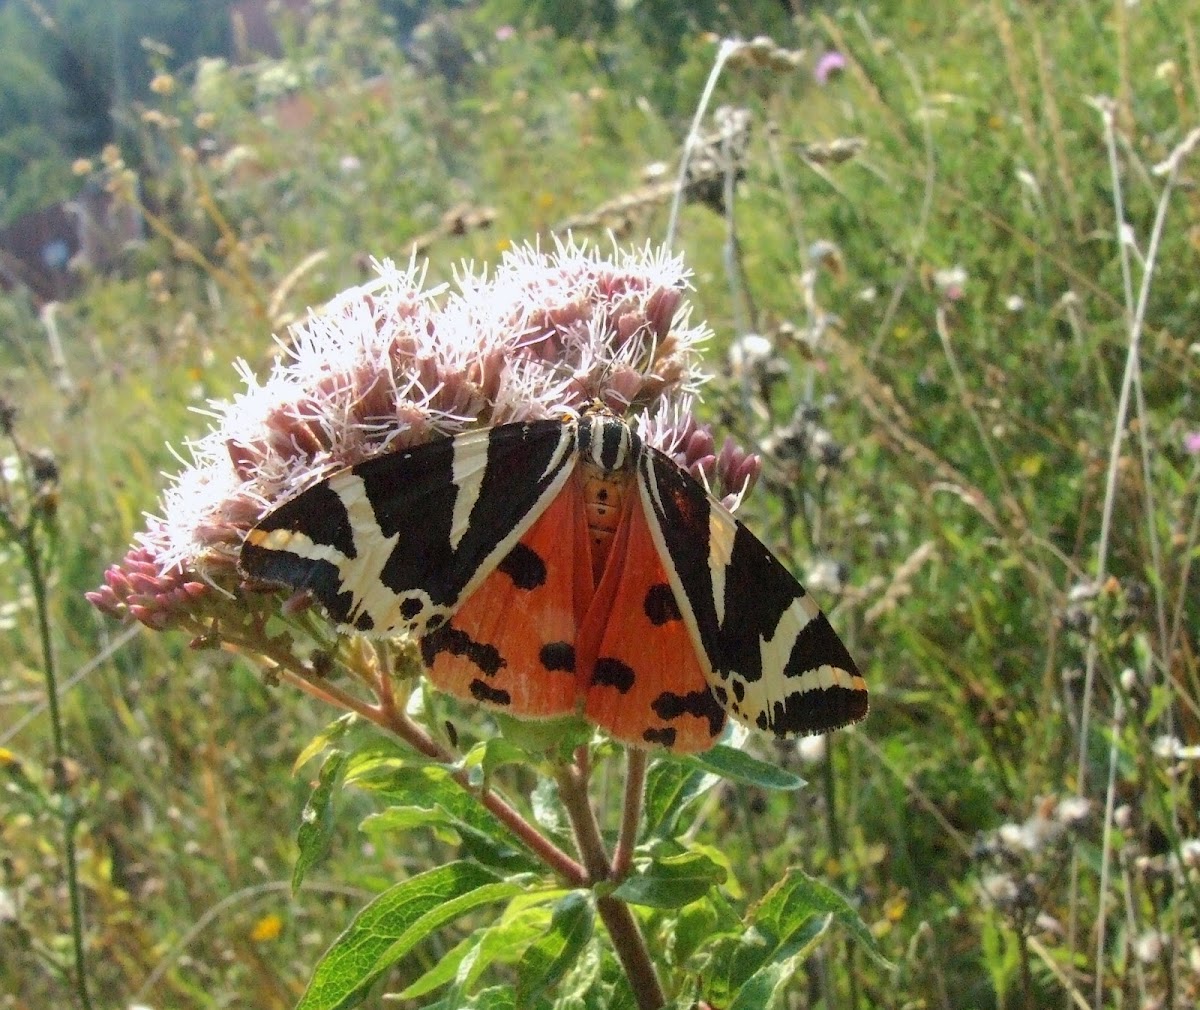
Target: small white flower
{"x":748,"y":352}
{"x":1166,"y":746}
{"x":824,"y":575}
{"x":1000,"y":888}
{"x":1012,"y":837}
{"x":951,"y":282}
{"x":1073,"y":811}
{"x":811,"y":749}
{"x":1148,"y":947}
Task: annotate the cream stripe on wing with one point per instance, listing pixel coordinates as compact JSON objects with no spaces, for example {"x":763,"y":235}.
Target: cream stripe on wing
{"x":468,"y":466}
{"x":362,"y":575}
{"x":295,"y":542}
{"x":777,"y":651}
{"x":721,"y":532}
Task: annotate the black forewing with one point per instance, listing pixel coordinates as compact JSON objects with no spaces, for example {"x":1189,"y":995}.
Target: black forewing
{"x":505,"y":476}
{"x":786,"y":667}
{"x":321,"y":515}
{"x":681,"y":510}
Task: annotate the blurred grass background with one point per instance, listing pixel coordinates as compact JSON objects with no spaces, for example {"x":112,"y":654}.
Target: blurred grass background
{"x":947,"y":309}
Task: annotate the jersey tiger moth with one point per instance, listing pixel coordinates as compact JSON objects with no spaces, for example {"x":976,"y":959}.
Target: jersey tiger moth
{"x":548,"y":567}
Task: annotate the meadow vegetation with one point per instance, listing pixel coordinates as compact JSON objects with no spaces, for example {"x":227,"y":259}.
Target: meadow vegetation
{"x":952,"y":280}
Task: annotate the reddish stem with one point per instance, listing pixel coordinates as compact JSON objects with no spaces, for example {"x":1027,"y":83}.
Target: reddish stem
{"x":387,"y":716}
{"x":627,"y":939}
{"x":631,"y":811}
{"x":539,"y":844}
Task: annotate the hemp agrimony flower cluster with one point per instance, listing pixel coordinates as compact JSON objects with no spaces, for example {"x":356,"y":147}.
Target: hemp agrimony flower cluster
{"x":392,"y":364}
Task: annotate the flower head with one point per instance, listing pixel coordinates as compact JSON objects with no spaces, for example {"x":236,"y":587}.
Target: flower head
{"x":392,"y":364}
{"x":830,"y":65}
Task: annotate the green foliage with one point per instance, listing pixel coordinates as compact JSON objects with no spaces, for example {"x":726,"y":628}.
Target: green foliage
{"x":67,"y":73}
{"x":939,"y":439}
{"x":671,"y":881}
{"x":317,"y":818}
{"x":738,"y":766}
{"x":393,"y":924}
{"x":547,"y":960}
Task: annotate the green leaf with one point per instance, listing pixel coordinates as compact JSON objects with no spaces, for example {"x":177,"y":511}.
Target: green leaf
{"x":779,"y":929}
{"x":790,"y":903}
{"x":330,"y":735}
{"x":493,"y":753}
{"x":670,"y":786}
{"x":428,"y":796}
{"x":506,"y":942}
{"x":766,"y":986}
{"x":317,"y":820}
{"x":373,"y":760}
{"x":672,"y":881}
{"x":393,"y":924}
{"x":496,"y":998}
{"x":694,"y":925}
{"x":445,"y":969}
{"x":523,"y":921}
{"x":550,"y":957}
{"x":548,"y":810}
{"x":583,"y":987}
{"x":556,"y":738}
{"x":738,"y":766}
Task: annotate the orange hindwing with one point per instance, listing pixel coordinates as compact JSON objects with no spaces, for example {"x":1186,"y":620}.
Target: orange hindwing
{"x":511,"y":645}
{"x":642,"y":678}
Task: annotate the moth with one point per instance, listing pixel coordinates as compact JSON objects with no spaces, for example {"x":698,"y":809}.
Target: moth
{"x":557,"y":566}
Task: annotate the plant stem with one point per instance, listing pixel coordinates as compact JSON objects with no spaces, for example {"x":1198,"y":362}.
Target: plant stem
{"x":388,"y":716}
{"x":627,"y":939}
{"x":631,"y":811}
{"x":68,"y":810}
{"x":630,"y":945}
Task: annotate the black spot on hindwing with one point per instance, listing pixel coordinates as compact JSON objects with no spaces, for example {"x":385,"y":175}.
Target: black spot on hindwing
{"x":483,"y":691}
{"x":668,"y":706}
{"x":613,"y":673}
{"x":525,"y":567}
{"x":558,"y":657}
{"x":660,"y":605}
{"x":458,"y":643}
{"x":662,"y":735}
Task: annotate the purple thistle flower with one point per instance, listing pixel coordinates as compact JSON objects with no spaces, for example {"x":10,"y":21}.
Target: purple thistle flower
{"x":830,"y":65}
{"x":1191,"y":442}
